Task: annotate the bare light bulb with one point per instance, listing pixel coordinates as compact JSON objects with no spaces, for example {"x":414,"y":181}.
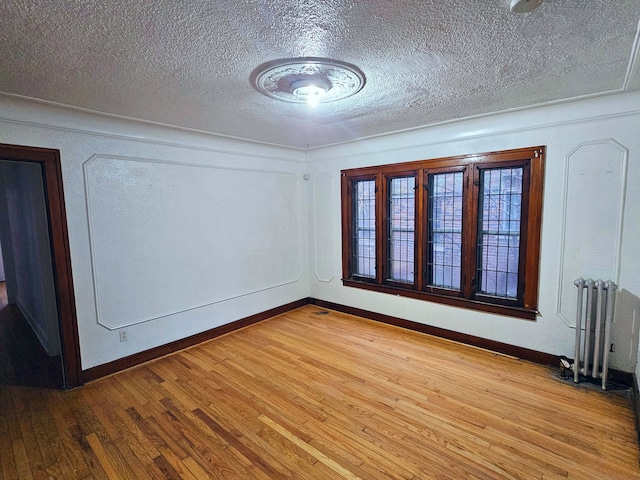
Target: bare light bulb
{"x":314,"y":94}
{"x":310,"y":90}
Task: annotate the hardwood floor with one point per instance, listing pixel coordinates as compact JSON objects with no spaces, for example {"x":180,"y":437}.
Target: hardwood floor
{"x":23,"y":360}
{"x":316,"y":394}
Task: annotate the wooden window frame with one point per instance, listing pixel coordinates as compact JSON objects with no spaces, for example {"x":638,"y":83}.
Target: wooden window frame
{"x":386,"y":276}
{"x":348,"y":233}
{"x":526,"y":305}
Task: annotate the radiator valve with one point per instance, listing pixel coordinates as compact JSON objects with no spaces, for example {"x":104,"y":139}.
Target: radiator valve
{"x":565,"y":367}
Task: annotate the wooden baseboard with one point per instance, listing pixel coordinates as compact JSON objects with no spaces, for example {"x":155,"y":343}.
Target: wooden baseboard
{"x":153,"y":353}
{"x":619,"y":377}
{"x":505,"y":348}
{"x":616,"y":376}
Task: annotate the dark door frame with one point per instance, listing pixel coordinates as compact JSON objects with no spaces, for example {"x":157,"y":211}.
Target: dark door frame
{"x":49,"y":160}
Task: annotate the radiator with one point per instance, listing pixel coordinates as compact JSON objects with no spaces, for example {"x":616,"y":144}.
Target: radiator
{"x":594,"y":316}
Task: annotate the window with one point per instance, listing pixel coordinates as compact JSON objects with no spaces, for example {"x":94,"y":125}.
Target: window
{"x":444,"y":226}
{"x":500,"y":210}
{"x":401,"y":232}
{"x":364,"y":228}
{"x":464,"y":231}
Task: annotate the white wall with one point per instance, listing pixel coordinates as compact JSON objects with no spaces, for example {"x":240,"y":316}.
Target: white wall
{"x":591,"y":217}
{"x":175,"y":232}
{"x":23,"y":219}
{"x":171,"y":232}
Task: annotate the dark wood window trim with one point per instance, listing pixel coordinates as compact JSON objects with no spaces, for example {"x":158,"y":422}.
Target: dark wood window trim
{"x":525,"y":303}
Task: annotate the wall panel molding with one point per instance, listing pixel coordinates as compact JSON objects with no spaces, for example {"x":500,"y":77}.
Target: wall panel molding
{"x":595,"y":180}
{"x":164,"y":241}
{"x":323,"y":198}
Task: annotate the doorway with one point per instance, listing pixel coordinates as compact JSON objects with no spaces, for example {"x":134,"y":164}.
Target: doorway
{"x":23,"y":360}
{"x":49,"y":163}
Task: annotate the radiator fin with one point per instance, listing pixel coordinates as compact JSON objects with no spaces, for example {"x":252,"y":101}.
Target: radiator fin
{"x":594,"y":316}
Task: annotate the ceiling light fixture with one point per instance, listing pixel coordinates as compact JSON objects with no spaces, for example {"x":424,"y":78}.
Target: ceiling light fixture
{"x":311,"y":90}
{"x":524,"y":6}
{"x":310,"y":80}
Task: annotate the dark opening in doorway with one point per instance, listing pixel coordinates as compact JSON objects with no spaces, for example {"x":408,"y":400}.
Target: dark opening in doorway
{"x":49,"y":162}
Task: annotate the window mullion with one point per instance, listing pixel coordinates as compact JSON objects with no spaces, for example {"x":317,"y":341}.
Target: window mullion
{"x":420,"y":225}
{"x":424,"y":222}
{"x":470,"y":231}
{"x":381,"y":221}
{"x":346,"y":218}
{"x":524,"y":229}
{"x":534,"y":219}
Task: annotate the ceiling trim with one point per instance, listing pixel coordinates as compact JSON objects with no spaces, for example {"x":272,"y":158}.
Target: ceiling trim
{"x":134,"y":138}
{"x":306,"y":151}
{"x":634,"y":62}
{"x":623,"y":108}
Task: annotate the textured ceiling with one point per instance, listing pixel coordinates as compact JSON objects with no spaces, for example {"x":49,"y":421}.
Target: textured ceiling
{"x":188,"y":63}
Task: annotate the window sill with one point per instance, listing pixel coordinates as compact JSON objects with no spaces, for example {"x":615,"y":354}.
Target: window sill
{"x":517,"y":312}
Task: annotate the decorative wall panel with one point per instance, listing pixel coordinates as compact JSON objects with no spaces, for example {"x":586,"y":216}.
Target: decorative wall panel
{"x":595,"y":181}
{"x":170,"y":237}
{"x":324,"y":231}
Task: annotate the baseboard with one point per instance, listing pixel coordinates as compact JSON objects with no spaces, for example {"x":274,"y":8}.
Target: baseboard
{"x":127,"y":362}
{"x":505,"y":348}
{"x":617,"y":376}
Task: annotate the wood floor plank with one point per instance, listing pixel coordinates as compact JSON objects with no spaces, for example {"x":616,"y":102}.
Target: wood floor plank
{"x":8,"y":465}
{"x":70,"y":459}
{"x":103,"y":459}
{"x":131,"y":460}
{"x":30,"y":441}
{"x":21,"y":460}
{"x":209,"y":451}
{"x":316,"y":394}
{"x":332,"y":464}
{"x":44,"y":430}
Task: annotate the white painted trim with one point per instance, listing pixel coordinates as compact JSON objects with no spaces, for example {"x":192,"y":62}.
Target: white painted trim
{"x":549,"y":109}
{"x":633,"y":59}
{"x":609,"y":106}
{"x":194,"y":307}
{"x":148,"y":138}
{"x":178,"y":163}
{"x":315,"y":228}
{"x":623,"y":181}
{"x":94,"y":272}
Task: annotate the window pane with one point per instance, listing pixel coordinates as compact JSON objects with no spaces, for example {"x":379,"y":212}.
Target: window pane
{"x":364,"y":228}
{"x":500,"y":211}
{"x":401,"y":229}
{"x":445,"y":230}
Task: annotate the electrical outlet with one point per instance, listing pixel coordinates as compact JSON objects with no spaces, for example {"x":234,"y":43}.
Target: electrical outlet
{"x":123,"y":336}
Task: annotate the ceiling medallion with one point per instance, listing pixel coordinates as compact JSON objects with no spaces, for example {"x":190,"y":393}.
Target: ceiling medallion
{"x":310,"y":80}
{"x":524,"y":6}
